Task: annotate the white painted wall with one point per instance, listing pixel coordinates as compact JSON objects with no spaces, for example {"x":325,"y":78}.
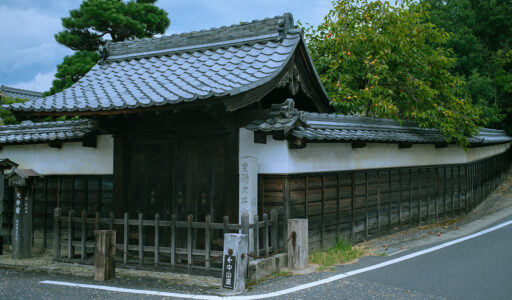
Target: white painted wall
{"x":274,"y":157}
{"x":72,"y":158}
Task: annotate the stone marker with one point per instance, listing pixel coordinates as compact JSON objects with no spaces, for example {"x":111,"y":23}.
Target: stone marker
{"x":298,"y":245}
{"x":248,"y":193}
{"x":234,"y":262}
{"x":104,"y":254}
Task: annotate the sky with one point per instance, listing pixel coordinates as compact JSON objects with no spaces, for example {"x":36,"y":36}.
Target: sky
{"x":29,"y":53}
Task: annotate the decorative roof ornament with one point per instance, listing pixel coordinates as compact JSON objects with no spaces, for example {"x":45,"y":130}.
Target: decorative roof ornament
{"x":103,"y":51}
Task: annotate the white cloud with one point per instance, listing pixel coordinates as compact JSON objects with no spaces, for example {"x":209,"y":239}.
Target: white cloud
{"x":40,"y":83}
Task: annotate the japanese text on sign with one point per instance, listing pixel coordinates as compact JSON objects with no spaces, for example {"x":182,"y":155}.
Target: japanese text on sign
{"x":229,"y":271}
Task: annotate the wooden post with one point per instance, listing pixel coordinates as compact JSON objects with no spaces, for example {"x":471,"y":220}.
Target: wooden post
{"x":56,"y":234}
{"x":207,"y":241}
{"x":189,"y":240}
{"x":410,"y":198}
{"x":418,"y":197}
{"x":274,"y":218}
{"x":429,"y":194}
{"x":22,"y":235}
{"x":451,"y":191}
{"x":378,"y":203}
{"x":245,"y":224}
{"x":96,"y":220}
{"x":141,"y":239}
{"x":437,"y":195}
{"x":265,"y":233}
{"x":286,"y":212}
{"x":157,"y":238}
{"x":83,"y":238}
{"x":111,"y":220}
{"x":173,"y":239}
{"x":389,"y":201}
{"x":366,"y":206}
{"x":104,"y":255}
{"x":322,"y":207}
{"x":353,"y":210}
{"x":125,"y":238}
{"x":298,"y":244}
{"x":45,"y":214}
{"x":306,"y":190}
{"x":400,"y":199}
{"x":338,"y":182}
{"x":71,"y":250}
{"x":256,"y":235}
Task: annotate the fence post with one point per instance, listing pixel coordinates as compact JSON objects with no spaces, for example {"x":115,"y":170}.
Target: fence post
{"x":189,"y":240}
{"x":274,"y":218}
{"x":298,"y":243}
{"x":173,"y":239}
{"x":83,"y":236}
{"x":56,"y":234}
{"x":245,"y":223}
{"x":71,"y":251}
{"x":265,"y":233}
{"x":207,"y":241}
{"x":234,"y":262}
{"x":256,"y":235}
{"x":125,"y":239}
{"x":104,"y":254}
{"x":141,"y":240}
{"x":157,"y":235}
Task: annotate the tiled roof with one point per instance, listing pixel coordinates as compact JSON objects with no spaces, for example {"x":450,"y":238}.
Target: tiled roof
{"x":29,"y":132}
{"x":332,"y":127}
{"x":179,"y":68}
{"x":19,"y":93}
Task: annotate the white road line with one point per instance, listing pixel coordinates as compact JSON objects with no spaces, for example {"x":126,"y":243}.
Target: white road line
{"x":286,"y":291}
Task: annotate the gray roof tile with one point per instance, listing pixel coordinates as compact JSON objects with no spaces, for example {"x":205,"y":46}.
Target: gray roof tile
{"x":19,"y":93}
{"x":332,"y":127}
{"x":177,"y":68}
{"x":29,"y":132}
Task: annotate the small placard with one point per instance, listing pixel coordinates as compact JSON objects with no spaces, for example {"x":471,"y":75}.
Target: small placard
{"x":228,"y":278}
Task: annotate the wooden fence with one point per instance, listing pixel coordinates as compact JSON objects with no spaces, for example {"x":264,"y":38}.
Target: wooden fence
{"x":164,"y":243}
{"x":364,"y":204}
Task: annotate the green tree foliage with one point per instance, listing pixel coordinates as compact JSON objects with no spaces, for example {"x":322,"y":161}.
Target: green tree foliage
{"x":6,"y":116}
{"x":380,"y":60}
{"x":482,"y":37}
{"x":96,"y":22}
{"x":72,"y":69}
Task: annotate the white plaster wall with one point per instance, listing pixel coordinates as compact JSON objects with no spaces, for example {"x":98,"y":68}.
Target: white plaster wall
{"x":275,"y":157}
{"x":72,"y":158}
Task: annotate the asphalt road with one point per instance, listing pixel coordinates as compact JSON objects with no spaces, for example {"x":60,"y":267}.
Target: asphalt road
{"x":479,"y":268}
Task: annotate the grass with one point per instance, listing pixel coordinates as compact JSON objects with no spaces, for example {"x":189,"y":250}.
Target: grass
{"x":250,"y":284}
{"x":341,"y":253}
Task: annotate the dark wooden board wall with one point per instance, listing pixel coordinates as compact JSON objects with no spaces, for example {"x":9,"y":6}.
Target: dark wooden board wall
{"x":364,"y":204}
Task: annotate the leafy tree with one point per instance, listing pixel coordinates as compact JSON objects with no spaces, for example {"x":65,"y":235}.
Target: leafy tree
{"x":482,"y":35}
{"x":96,"y":22}
{"x":6,"y":117}
{"x":380,"y":60}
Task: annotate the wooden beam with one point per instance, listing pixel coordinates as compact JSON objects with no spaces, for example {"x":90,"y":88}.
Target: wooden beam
{"x":296,"y":143}
{"x":260,"y":138}
{"x":404,"y":145}
{"x":90,"y":141}
{"x":55,"y":144}
{"x":278,"y":136}
{"x":441,"y":145}
{"x":358,"y":144}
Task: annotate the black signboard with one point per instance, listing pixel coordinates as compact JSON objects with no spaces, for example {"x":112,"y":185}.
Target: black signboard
{"x":228,"y":277}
